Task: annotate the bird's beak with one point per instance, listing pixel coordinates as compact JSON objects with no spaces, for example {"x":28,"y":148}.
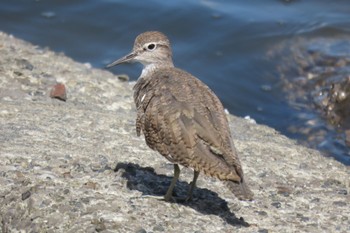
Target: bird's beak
{"x":127,"y":58}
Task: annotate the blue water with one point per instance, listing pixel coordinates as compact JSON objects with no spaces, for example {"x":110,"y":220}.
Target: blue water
{"x":224,"y":43}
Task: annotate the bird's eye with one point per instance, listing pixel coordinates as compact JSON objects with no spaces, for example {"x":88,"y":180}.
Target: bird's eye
{"x":151,"y":46}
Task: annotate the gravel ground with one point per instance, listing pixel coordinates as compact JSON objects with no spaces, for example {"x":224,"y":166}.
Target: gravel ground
{"x":77,"y":166}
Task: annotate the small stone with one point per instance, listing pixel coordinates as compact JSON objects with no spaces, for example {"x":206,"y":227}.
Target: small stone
{"x":343,"y":192}
{"x":91,"y":185}
{"x":123,"y":77}
{"x":67,"y":175}
{"x":18,"y":73}
{"x":276,"y":204}
{"x":26,"y":195}
{"x":95,"y":166}
{"x":59,"y":92}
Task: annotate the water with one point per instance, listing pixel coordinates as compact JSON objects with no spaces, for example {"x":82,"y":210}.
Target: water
{"x":224,"y":43}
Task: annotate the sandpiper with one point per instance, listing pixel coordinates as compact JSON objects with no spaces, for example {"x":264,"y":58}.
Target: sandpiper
{"x":182,"y":118}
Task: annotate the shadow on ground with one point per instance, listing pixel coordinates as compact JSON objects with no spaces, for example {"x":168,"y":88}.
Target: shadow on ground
{"x":145,"y":180}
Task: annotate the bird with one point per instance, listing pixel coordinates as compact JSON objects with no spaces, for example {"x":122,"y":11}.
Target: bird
{"x":182,"y":118}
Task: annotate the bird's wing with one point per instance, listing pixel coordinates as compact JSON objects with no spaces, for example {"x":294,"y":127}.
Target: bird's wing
{"x":184,"y":120}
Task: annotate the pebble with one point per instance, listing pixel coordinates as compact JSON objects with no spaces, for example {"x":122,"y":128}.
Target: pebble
{"x":276,"y":204}
{"x":123,"y":77}
{"x":58,"y":91}
{"x":26,"y":195}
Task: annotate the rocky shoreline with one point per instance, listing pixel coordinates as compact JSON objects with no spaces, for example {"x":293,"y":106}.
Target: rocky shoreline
{"x":77,"y":166}
{"x":314,"y":74}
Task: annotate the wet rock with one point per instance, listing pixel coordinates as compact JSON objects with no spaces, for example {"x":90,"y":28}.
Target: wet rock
{"x":315,"y":76}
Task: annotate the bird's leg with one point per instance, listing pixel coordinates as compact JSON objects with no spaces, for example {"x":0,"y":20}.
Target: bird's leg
{"x":193,"y":185}
{"x":169,"y":193}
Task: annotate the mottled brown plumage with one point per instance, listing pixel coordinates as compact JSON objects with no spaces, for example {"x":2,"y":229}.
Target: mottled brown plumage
{"x":181,"y":117}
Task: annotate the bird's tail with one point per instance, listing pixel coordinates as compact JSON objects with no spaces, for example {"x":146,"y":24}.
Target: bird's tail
{"x":240,"y":190}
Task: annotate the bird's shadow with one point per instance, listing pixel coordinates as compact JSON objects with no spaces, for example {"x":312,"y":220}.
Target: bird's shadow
{"x":145,"y":180}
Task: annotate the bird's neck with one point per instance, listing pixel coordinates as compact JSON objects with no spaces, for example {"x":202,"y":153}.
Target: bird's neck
{"x":148,"y":69}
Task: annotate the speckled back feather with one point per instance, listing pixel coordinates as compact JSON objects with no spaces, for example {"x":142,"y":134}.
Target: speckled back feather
{"x":184,"y":121}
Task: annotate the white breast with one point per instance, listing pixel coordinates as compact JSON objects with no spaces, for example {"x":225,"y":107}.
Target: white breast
{"x":147,"y":69}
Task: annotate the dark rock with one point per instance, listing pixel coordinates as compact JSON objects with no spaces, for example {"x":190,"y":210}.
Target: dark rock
{"x":343,"y":192}
{"x":26,"y":195}
{"x":276,"y":204}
